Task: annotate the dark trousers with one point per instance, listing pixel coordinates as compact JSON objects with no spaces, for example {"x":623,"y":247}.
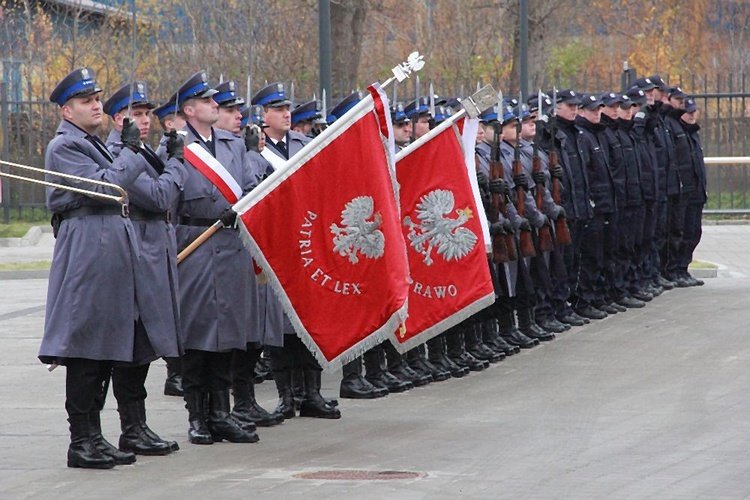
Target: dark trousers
{"x":294,"y":354}
{"x":677,"y":210}
{"x":649,"y":255}
{"x":661,"y":235}
{"x":242,"y":368}
{"x":204,"y":371}
{"x":129,"y":383}
{"x":588,"y":269}
{"x":86,"y":380}
{"x":631,"y":237}
{"x":563,"y":288}
{"x":691,"y":234}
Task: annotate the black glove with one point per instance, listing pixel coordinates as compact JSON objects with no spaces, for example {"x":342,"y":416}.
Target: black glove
{"x":482,"y":179}
{"x":130,"y":136}
{"x":175,"y":145}
{"x":496,"y":229}
{"x":525,"y":226}
{"x":507,"y":226}
{"x":228,"y":217}
{"x":499,"y":186}
{"x":539,"y":177}
{"x":561,"y":214}
{"x":556,"y":171}
{"x":252,"y":139}
{"x":521,"y":181}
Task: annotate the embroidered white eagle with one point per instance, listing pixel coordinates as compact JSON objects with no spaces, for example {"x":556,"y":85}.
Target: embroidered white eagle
{"x":359,"y":231}
{"x":434,"y":230}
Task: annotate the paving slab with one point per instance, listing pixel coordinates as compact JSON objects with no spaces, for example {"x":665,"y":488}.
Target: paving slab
{"x":651,"y":403}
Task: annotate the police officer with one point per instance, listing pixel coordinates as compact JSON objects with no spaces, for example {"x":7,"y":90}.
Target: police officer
{"x":304,"y":116}
{"x":214,"y":278}
{"x":281,"y":144}
{"x":152,"y":196}
{"x":92,"y":236}
{"x":264,"y":312}
{"x":695,"y":199}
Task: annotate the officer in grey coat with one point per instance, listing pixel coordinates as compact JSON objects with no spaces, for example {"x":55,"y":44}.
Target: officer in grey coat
{"x":214,"y":278}
{"x":152,"y":196}
{"x":281,"y":144}
{"x":97,"y":289}
{"x":246,"y":408}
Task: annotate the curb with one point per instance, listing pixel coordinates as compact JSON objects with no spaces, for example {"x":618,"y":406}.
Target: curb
{"x":32,"y":237}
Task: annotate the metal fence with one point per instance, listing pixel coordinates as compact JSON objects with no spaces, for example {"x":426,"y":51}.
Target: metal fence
{"x":28,"y":122}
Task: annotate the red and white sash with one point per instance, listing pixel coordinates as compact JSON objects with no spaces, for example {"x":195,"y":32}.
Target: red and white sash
{"x":214,"y":171}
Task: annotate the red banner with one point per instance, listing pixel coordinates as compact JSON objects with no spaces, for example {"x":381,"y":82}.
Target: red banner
{"x":441,"y":223}
{"x":327,"y":233}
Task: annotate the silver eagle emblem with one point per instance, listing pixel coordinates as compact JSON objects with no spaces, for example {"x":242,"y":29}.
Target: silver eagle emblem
{"x":359,"y":231}
{"x":434,"y":230}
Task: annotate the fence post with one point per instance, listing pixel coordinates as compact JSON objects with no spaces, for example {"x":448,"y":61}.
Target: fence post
{"x":5,"y":126}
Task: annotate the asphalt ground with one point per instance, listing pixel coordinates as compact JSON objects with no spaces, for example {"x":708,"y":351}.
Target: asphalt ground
{"x":651,"y":403}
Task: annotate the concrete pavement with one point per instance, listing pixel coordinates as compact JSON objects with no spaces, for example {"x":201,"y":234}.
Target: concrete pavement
{"x":652,"y":403}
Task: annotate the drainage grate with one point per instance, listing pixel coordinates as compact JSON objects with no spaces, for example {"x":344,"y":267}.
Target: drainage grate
{"x":360,"y":475}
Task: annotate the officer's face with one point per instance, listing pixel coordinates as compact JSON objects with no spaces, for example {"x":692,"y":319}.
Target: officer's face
{"x":625,"y":114}
{"x":528,"y":130}
{"x":202,"y":110}
{"x":611,"y":111}
{"x":230,"y":119}
{"x":592,"y":115}
{"x":401,"y":133}
{"x":677,"y":102}
{"x":480,"y":133}
{"x":422,"y":126}
{"x":142,"y":117}
{"x":690,"y":117}
{"x":567,"y":110}
{"x":509,"y":132}
{"x":84,"y":112}
{"x":303,"y":128}
{"x":649,"y":96}
{"x":176,"y":122}
{"x":278,"y":119}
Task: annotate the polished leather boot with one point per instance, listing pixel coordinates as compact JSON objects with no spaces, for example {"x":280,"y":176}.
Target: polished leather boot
{"x":247,"y":410}
{"x":221,"y":424}
{"x":173,"y":384}
{"x":313,"y":404}
{"x":631,"y":302}
{"x":104,"y":446}
{"x":378,"y":376}
{"x":493,"y":340}
{"x":198,"y":432}
{"x":82,"y":453}
{"x":550,"y":325}
{"x":458,"y":354}
{"x":476,"y":346}
{"x":172,"y":444}
{"x":506,"y":323}
{"x":134,"y":437}
{"x":298,"y":387}
{"x":417,"y":359}
{"x":528,"y":326}
{"x":591,"y":312}
{"x":439,"y":358}
{"x":607,"y":308}
{"x":262,"y":370}
{"x":355,"y":386}
{"x":283,"y":379}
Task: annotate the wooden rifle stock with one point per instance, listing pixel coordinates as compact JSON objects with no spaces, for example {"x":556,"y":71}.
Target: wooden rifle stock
{"x":503,"y":245}
{"x":545,"y":234}
{"x":524,"y":238}
{"x":562,"y":231}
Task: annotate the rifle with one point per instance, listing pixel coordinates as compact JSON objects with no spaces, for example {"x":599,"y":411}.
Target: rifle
{"x":561,"y":224}
{"x":503,"y":245}
{"x":544,"y":236}
{"x":525,"y":239}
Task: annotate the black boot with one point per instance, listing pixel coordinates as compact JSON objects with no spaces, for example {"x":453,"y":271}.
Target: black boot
{"x":173,"y":384}
{"x":507,"y":328}
{"x":82,"y":453}
{"x":418,"y":361}
{"x":378,"y":376}
{"x":439,"y":357}
{"x":247,"y":410}
{"x":198,"y":432}
{"x":355,"y":386}
{"x":457,"y":351}
{"x":104,"y":446}
{"x":283,"y":379}
{"x":134,"y":438}
{"x":222,"y":425}
{"x":172,"y":444}
{"x":476,"y":347}
{"x":313,"y":404}
{"x":528,"y":327}
{"x":494,"y":341}
{"x":262,"y":370}
{"x":298,"y":387}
